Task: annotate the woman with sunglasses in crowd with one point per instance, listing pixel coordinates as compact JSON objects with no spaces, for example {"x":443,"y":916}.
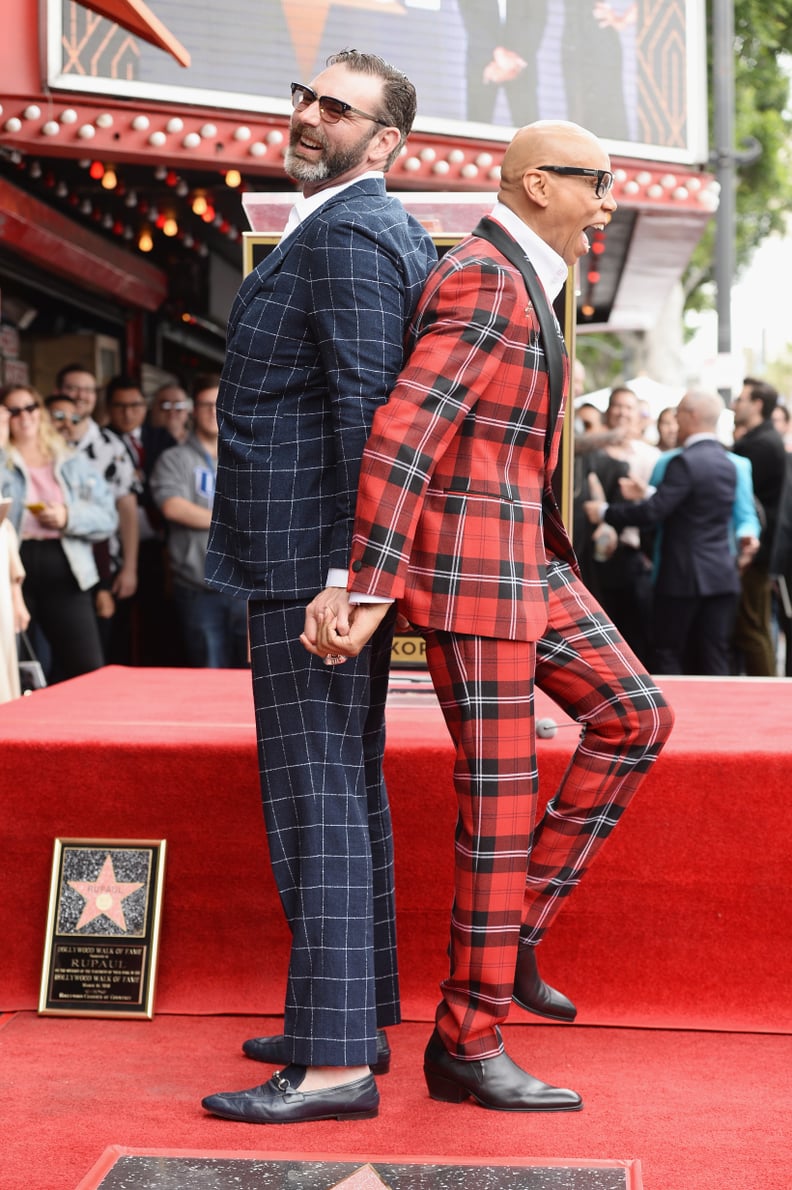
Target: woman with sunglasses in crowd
{"x":60,"y":505}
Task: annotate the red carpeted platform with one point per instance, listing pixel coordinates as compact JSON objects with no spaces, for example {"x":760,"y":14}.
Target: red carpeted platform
{"x":679,"y":937}
{"x":683,"y":922}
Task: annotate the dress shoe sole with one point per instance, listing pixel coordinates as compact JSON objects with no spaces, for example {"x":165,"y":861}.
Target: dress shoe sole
{"x":548,"y":1016}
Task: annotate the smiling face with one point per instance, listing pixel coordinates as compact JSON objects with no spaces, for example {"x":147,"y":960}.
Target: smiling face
{"x":322,"y":153}
{"x":561,"y":207}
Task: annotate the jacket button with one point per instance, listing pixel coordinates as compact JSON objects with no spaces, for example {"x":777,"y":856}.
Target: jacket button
{"x":357,"y":565}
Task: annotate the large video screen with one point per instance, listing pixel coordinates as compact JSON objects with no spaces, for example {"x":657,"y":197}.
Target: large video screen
{"x":633,"y":71}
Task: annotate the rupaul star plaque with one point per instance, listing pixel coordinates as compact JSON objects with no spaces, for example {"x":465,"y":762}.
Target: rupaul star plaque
{"x":100,"y":956}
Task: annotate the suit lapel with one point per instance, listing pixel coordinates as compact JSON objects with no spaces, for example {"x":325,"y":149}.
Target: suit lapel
{"x":489,"y":230}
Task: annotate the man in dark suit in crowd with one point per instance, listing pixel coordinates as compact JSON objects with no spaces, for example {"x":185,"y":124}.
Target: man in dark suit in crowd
{"x":456,"y":518}
{"x":315,"y":342}
{"x":757,"y":439}
{"x":697,"y":584}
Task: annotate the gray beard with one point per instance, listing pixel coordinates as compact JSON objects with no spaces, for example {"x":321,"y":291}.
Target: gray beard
{"x":330,"y":165}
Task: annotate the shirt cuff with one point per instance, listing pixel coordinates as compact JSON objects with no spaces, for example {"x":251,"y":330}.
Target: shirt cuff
{"x":338,"y":578}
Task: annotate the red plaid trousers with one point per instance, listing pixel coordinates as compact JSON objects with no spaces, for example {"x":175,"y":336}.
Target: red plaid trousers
{"x":512,"y":873}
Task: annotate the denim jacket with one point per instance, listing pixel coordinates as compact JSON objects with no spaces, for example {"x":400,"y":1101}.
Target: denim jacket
{"x":89,"y":504}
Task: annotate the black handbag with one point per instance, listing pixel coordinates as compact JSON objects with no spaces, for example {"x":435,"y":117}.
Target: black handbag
{"x":31,"y":672}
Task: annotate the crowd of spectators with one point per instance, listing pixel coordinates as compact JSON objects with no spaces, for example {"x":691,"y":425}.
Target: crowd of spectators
{"x":104,"y":515}
{"x":105,"y":509}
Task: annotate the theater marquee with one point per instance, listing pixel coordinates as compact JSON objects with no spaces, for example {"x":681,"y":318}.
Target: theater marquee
{"x":633,"y":71}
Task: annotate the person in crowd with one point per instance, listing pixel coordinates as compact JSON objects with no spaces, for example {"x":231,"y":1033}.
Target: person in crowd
{"x":315,"y":343}
{"x":59,"y":507}
{"x":667,"y":429}
{"x":213,"y":623}
{"x":143,"y":630}
{"x":14,"y":615}
{"x":116,"y":558}
{"x":588,"y":419}
{"x":171,"y":409}
{"x":760,"y":442}
{"x":456,"y":518}
{"x":697,"y":582}
{"x":623,"y":575}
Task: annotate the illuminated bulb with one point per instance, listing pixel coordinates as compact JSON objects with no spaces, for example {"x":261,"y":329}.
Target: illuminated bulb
{"x":199,"y":204}
{"x":170,"y":227}
{"x":96,"y":170}
{"x":145,"y":242}
{"x":587,"y":311}
{"x":233,"y":178}
{"x":109,"y":181}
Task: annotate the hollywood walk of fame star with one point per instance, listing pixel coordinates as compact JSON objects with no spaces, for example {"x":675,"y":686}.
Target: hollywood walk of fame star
{"x":104,"y":895}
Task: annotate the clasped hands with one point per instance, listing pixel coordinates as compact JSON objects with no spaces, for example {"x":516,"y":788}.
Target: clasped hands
{"x":336,"y":629}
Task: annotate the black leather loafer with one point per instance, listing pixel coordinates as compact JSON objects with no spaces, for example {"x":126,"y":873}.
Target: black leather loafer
{"x":276,"y":1050}
{"x":280,"y":1101}
{"x":496,"y":1083}
{"x":534,"y":995}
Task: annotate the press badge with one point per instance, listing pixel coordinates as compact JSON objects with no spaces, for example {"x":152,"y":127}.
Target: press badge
{"x":205,"y":483}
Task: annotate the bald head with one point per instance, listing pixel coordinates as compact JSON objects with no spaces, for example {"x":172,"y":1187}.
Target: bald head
{"x":558,"y":206}
{"x":698,"y":413}
{"x":546,"y":142}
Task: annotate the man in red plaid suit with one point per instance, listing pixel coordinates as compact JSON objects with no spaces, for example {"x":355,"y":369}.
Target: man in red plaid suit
{"x":456,"y":519}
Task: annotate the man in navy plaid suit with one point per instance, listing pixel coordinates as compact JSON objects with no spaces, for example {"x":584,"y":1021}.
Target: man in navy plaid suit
{"x":314,"y":347}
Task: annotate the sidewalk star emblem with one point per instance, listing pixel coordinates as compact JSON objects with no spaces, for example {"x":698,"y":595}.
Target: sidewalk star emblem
{"x":104,"y":896}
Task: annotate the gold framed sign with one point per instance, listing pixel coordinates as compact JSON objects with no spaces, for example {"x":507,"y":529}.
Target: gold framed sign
{"x":103,"y":922}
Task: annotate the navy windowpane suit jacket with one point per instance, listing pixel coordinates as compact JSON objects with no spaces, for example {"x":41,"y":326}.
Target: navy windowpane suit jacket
{"x":315,"y":343}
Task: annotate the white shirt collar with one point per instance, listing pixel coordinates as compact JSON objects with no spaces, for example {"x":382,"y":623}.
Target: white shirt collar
{"x":303,"y":207}
{"x":551,"y":269}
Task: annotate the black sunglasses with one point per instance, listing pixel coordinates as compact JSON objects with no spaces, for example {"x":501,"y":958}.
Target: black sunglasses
{"x":21,"y":409}
{"x":59,"y":415}
{"x":604,"y":176}
{"x":331,"y":110}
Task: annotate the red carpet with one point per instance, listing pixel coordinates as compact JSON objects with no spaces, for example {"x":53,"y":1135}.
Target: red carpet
{"x":681,"y":933}
{"x":701,"y":1111}
{"x":686,"y":914}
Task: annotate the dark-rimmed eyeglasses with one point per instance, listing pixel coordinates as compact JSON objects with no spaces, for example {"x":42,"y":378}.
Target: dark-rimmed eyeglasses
{"x":58,"y":415}
{"x":604,"y":177}
{"x":20,"y":409}
{"x":331,"y":110}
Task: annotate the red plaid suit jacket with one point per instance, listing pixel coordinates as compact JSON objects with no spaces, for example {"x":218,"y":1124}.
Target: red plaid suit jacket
{"x":455,"y":512}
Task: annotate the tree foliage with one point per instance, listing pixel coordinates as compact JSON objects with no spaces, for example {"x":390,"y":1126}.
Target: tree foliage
{"x":763,"y":38}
